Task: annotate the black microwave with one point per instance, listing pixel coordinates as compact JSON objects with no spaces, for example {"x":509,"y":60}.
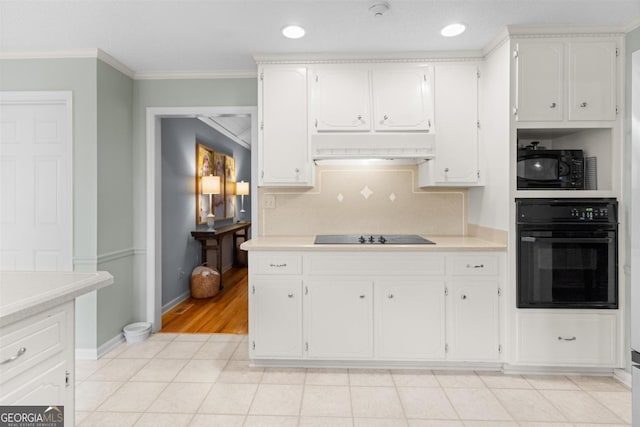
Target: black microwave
{"x":550,"y":169}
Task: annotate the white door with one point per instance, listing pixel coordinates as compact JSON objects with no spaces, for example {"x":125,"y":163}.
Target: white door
{"x":275,"y":313}
{"x":473,"y":320}
{"x":592,"y":81}
{"x":540,"y":93}
{"x":409,"y":319}
{"x":403,"y":99}
{"x":339,"y":318}
{"x":36,"y":189}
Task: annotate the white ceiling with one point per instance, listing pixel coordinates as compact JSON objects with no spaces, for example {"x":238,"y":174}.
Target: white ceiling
{"x":222,"y":35}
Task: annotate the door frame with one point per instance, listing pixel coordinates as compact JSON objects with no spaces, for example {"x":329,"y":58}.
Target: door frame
{"x":153,"y":203}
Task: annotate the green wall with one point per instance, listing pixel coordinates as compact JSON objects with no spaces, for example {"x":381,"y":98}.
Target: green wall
{"x":78,"y":76}
{"x":115,"y":200}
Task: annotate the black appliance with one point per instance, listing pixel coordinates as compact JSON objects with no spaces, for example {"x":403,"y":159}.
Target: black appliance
{"x":370,"y":239}
{"x":540,"y":169}
{"x":567,"y":253}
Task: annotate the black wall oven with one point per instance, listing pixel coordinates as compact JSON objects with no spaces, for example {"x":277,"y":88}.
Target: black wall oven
{"x":567,"y":253}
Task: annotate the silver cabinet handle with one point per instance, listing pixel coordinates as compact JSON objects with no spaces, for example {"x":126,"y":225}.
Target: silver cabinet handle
{"x":390,"y":296}
{"x":362,"y":296}
{"x":290,"y":295}
{"x":475,"y":266}
{"x":583,"y":104}
{"x":553,"y":105}
{"x":20,"y":352}
{"x":277,"y":265}
{"x":463,"y":296}
{"x":567,"y":339}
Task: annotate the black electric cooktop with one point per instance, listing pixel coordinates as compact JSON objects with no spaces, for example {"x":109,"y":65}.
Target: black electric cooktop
{"x":371,"y":239}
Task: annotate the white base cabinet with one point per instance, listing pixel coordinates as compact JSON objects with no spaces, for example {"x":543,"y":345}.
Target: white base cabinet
{"x":338,"y":318}
{"x":37,"y":356}
{"x":375,"y":306}
{"x":567,"y":338}
{"x":410,"y":319}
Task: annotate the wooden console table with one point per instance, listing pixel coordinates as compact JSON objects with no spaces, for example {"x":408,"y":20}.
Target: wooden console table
{"x":239,"y":229}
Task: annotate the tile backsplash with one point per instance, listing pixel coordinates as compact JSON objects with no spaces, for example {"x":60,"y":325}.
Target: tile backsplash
{"x":363,"y":199}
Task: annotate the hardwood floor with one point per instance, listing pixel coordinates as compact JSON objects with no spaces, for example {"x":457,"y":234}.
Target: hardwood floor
{"x":225,"y":313}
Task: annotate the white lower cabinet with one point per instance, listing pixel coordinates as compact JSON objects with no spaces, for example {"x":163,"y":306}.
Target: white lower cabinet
{"x":276,"y":318}
{"x":375,"y":306}
{"x":473,"y":321}
{"x":338,"y":317}
{"x":37,"y":361}
{"x":410,"y":319}
{"x":566,"y":339}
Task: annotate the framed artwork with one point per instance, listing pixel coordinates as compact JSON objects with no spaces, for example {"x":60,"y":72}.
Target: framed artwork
{"x":217,"y":164}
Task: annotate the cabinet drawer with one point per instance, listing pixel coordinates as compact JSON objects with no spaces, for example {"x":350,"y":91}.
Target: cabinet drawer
{"x":375,"y":264}
{"x":288,"y":264}
{"x":26,"y":343}
{"x":473,"y":265}
{"x":567,"y":339}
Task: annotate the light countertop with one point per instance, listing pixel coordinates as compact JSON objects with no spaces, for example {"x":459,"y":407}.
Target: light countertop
{"x":305,"y":243}
{"x":24,"y":293}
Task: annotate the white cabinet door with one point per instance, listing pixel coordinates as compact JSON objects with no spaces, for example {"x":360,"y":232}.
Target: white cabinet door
{"x":338,"y":316}
{"x":409,"y":321}
{"x":592,"y":82}
{"x":403,"y":98}
{"x":275,"y":315}
{"x":473,"y":319}
{"x":540,"y":70}
{"x":341,"y":100}
{"x":283,"y":139}
{"x":456,"y":100}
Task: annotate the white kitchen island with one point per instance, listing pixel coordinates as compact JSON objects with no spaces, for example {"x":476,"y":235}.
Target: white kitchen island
{"x":376,"y":305}
{"x":37,"y":336}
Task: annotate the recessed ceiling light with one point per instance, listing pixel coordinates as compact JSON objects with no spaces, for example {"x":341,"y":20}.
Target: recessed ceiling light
{"x":453,"y":30}
{"x":293,"y":31}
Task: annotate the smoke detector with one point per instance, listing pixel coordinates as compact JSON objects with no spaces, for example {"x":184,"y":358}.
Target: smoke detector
{"x":379,"y":9}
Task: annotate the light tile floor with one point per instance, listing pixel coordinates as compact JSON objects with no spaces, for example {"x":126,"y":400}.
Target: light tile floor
{"x":204,"y":380}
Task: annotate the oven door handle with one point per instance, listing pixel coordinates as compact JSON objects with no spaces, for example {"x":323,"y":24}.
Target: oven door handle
{"x":529,"y":239}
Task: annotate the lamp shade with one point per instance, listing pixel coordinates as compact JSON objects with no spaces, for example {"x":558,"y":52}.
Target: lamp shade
{"x":211,"y":184}
{"x":242,"y":188}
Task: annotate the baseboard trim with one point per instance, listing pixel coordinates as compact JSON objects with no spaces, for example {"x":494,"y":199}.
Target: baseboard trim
{"x":177,"y":300}
{"x":86,"y":354}
{"x":623,"y":376}
{"x":95,"y":354}
{"x":557,"y":370}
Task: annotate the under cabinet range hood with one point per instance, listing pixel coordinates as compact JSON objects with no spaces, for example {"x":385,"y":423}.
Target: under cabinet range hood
{"x":406,"y":145}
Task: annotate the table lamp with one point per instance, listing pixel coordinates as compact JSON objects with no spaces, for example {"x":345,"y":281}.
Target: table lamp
{"x":210,"y":186}
{"x":242,"y":189}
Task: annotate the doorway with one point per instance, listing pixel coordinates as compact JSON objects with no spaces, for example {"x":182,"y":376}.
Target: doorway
{"x":154,"y":239}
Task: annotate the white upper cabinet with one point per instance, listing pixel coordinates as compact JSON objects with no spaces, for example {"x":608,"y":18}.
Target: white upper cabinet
{"x":341,"y":99}
{"x":403,"y":98}
{"x":456,"y":111}
{"x":283,"y":139}
{"x":565,"y":81}
{"x":540,"y":81}
{"x":353,"y":97}
{"x":592,"y":71}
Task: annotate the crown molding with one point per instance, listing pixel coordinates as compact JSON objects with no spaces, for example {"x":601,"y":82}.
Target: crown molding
{"x":70,"y":54}
{"x":351,"y":58}
{"x":516,"y":31}
{"x":196,"y":75}
{"x":632,"y":25}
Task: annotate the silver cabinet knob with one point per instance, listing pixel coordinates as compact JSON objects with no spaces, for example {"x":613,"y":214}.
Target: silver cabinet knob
{"x":390,"y":296}
{"x":553,"y":105}
{"x":359,"y":118}
{"x":290,"y":295}
{"x":583,"y":104}
{"x":446,"y":170}
{"x":463,"y":296}
{"x":362,"y":296}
